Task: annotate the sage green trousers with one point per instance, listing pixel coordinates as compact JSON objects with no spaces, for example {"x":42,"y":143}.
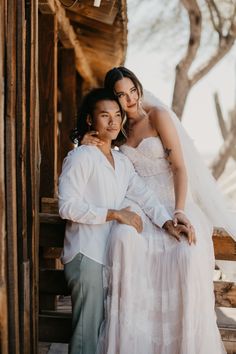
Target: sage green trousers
{"x":84,"y":278}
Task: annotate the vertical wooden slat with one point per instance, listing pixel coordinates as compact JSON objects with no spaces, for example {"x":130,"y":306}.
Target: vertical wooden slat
{"x":23,"y":263}
{"x":3,"y":280}
{"x":68,"y":100}
{"x":48,"y":103}
{"x":33,"y":164}
{"x":11,"y":205}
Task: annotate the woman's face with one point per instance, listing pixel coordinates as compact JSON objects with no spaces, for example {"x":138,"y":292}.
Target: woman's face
{"x":127,"y":94}
{"x":107,"y":119}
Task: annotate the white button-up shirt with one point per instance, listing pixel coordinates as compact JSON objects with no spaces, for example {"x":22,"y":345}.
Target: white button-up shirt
{"x":88,"y":187}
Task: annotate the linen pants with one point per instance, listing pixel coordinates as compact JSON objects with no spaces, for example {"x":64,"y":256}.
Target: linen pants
{"x":84,"y":278}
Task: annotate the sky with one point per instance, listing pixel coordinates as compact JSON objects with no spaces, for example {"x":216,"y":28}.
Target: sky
{"x":199,"y":117}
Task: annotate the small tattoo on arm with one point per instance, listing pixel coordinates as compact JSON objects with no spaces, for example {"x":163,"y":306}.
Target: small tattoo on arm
{"x":167,"y":152}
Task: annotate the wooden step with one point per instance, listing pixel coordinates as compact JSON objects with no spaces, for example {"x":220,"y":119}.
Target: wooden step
{"x":52,"y":281}
{"x":52,"y":230}
{"x":55,"y":327}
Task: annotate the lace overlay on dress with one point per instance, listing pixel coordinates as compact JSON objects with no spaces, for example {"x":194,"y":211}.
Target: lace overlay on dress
{"x":160,"y":292}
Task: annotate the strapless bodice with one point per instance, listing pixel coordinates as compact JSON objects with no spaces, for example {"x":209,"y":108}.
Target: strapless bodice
{"x":148,"y":157}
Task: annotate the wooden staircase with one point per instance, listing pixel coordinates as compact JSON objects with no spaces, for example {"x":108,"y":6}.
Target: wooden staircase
{"x":55,"y":323}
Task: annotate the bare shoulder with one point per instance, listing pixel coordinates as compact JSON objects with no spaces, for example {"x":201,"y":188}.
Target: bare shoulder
{"x":159,"y":118}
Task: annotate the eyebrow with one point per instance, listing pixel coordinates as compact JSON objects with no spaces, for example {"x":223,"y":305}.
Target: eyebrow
{"x":108,"y":112}
{"x":117,"y":92}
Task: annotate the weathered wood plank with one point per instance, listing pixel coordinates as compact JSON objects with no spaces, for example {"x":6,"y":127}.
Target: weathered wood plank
{"x":105,"y":13}
{"x":224,"y":245}
{"x":69,"y":39}
{"x":47,"y":6}
{"x":225,"y":293}
{"x":3,"y":280}
{"x":33,"y":162}
{"x":49,"y":205}
{"x":68,"y":101}
{"x":48,"y":104}
{"x":228,"y":334}
{"x":11,"y":205}
{"x":21,"y":150}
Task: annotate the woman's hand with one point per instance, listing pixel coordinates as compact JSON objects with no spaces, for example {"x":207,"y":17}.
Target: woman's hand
{"x":90,"y":138}
{"x":181,"y":218}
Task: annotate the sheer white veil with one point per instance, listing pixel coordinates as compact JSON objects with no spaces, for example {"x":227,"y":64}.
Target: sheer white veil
{"x":202,"y":184}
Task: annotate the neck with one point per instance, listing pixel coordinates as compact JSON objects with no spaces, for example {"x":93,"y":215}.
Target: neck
{"x":106,"y":147}
{"x":136,"y":117}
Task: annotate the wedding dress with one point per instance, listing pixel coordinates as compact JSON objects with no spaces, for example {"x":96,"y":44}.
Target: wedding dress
{"x":160,"y":295}
{"x":160,"y":292}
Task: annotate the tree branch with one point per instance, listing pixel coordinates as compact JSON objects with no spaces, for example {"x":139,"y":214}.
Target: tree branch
{"x":213,"y":9}
{"x":225,"y":44}
{"x":225,"y":152}
{"x":220,"y":117}
{"x":195,"y":21}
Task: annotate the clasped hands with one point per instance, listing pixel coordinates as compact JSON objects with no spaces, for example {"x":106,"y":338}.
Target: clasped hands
{"x":178,"y":227}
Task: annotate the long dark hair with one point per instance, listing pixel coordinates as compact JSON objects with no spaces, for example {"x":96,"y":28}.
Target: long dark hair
{"x":87,"y":108}
{"x":116,"y":74}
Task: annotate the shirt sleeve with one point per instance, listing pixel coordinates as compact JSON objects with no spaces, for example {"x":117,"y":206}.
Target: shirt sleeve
{"x":140,"y":193}
{"x":76,"y":169}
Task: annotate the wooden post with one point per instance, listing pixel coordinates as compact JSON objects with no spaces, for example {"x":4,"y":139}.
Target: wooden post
{"x":3,"y":280}
{"x":48,"y":104}
{"x":21,"y":149}
{"x":68,"y":100}
{"x":33,"y":166}
{"x":11,"y":205}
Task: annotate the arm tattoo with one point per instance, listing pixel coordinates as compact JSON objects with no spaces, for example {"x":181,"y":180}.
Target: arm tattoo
{"x":167,"y":152}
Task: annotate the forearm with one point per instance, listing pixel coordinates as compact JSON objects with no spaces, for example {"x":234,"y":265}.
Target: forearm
{"x":76,"y":210}
{"x":180,"y":187}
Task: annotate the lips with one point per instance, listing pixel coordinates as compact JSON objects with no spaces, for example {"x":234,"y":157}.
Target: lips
{"x":131,"y":106}
{"x":112,"y":129}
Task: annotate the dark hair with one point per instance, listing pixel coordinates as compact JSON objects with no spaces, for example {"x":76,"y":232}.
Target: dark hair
{"x":116,"y":74}
{"x":87,"y":108}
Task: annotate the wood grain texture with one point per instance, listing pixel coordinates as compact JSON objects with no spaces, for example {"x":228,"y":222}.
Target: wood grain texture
{"x":48,"y":104}
{"x":11,"y":193}
{"x":68,"y":101}
{"x":225,"y":293}
{"x":3,"y":247}
{"x":224,"y":245}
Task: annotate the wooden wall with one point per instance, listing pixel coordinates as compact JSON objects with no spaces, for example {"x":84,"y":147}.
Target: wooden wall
{"x":19,"y":176}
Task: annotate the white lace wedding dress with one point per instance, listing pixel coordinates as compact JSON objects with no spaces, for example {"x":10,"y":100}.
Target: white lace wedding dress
{"x":160,"y":292}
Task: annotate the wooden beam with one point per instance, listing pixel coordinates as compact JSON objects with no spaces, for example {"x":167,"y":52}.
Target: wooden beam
{"x":48,"y":104}
{"x":33,"y":163}
{"x":224,"y":245}
{"x":3,"y":243}
{"x":68,"y":101}
{"x":69,"y":39}
{"x":47,"y":7}
{"x":11,"y":193}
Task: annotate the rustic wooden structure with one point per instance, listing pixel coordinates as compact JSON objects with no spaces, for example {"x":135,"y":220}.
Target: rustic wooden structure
{"x":50,"y":55}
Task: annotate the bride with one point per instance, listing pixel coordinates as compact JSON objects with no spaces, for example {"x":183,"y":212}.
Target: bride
{"x":160,"y":292}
